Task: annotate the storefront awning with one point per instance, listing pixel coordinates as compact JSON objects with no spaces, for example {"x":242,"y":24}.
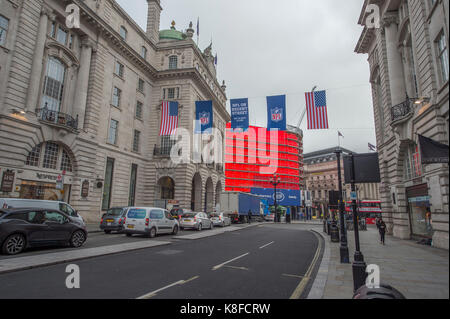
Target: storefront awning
{"x":432,"y":152}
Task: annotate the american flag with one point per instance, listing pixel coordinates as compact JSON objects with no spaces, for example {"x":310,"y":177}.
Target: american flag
{"x":316,"y":106}
{"x":169,"y":118}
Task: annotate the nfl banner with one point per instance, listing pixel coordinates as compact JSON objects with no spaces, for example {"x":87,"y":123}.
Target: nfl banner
{"x":276,"y":112}
{"x":239,"y":114}
{"x":203,"y":117}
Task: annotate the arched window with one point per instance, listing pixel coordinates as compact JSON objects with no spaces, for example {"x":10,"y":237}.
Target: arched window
{"x":123,"y":33}
{"x":173,"y":62}
{"x":53,"y":85}
{"x":50,"y":155}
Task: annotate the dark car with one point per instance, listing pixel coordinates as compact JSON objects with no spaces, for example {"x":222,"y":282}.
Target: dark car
{"x":113,"y":219}
{"x":22,"y":228}
{"x":178,"y":212}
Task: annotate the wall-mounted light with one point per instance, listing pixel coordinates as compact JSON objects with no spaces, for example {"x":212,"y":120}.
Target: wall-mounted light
{"x":421,"y":100}
{"x":18,"y":112}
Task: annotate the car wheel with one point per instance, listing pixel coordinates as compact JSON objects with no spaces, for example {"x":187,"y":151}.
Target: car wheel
{"x":175,"y":230}
{"x":128,"y":235}
{"x":153,"y":232}
{"x":78,"y":238}
{"x":107,"y":232}
{"x":199,"y":227}
{"x":14,"y":244}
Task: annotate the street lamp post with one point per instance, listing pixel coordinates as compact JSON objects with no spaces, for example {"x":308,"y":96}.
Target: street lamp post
{"x":275,"y":181}
{"x":359,"y":266}
{"x":345,"y":259}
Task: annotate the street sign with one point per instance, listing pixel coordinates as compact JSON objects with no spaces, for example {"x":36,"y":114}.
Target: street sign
{"x":8,"y":181}
{"x":353,"y":196}
{"x":60,"y":182}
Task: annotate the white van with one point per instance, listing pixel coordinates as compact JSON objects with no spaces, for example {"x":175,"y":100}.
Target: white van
{"x":36,"y":203}
{"x":150,"y":221}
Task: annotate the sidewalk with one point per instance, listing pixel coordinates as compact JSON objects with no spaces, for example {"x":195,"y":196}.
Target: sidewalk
{"x":417,"y":271}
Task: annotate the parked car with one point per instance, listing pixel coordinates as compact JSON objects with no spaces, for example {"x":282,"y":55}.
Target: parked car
{"x":196,"y":221}
{"x":179,"y":212}
{"x":113,"y":219}
{"x":150,"y":221}
{"x":37,"y":203}
{"x":269,"y":218}
{"x":22,"y":228}
{"x":219,"y":219}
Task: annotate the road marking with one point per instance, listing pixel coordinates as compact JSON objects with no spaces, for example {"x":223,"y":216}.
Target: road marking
{"x":234,"y":267}
{"x":154,"y":293}
{"x":266,"y":245}
{"x":301,"y":286}
{"x":227,"y":262}
{"x":186,"y":281}
{"x":295,"y":276}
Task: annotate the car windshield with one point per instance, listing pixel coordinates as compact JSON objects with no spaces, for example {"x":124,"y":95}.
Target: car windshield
{"x":115,"y":211}
{"x":188,"y":215}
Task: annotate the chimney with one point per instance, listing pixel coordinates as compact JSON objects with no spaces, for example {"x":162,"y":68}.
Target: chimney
{"x":153,"y":19}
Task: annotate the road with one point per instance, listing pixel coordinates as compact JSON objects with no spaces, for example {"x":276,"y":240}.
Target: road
{"x":263,"y":262}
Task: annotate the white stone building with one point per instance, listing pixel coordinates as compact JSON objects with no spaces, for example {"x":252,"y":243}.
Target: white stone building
{"x":408,"y":58}
{"x":84,"y":104}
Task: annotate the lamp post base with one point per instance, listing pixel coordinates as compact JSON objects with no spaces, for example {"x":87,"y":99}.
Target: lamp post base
{"x":359,"y":271}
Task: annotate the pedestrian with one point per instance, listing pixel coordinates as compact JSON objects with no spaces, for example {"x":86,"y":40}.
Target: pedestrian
{"x":377,"y":222}
{"x":249,"y":216}
{"x":382,"y":230}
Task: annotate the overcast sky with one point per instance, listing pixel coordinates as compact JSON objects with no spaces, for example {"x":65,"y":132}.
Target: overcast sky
{"x":268,"y":47}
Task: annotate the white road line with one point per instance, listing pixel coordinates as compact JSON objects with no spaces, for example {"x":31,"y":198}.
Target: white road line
{"x":227,"y":262}
{"x":266,"y":245}
{"x":153,"y":293}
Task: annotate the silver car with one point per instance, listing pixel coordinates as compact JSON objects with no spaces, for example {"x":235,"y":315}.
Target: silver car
{"x":196,"y":221}
{"x":219,"y":219}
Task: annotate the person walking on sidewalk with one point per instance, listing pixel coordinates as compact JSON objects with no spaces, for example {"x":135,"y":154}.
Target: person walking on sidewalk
{"x":249,"y":216}
{"x":382,"y":230}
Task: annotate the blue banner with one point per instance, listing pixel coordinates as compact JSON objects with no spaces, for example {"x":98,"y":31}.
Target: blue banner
{"x":239,"y":114}
{"x":285,"y":197}
{"x":203,"y":117}
{"x":276,"y":112}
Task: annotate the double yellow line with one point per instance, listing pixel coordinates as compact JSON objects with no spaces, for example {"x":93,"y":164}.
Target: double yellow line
{"x":302,"y":285}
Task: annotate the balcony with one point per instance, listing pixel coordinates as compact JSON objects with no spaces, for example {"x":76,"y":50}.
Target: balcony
{"x":162,"y":151}
{"x":57,"y":118}
{"x":402,"y":111}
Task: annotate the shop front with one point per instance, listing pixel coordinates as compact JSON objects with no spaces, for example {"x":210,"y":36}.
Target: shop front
{"x":419,"y":211}
{"x":44,"y":186}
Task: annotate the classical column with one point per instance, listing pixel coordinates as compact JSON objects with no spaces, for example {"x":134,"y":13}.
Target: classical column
{"x":80,"y":99}
{"x":36,"y":70}
{"x":394,"y":59}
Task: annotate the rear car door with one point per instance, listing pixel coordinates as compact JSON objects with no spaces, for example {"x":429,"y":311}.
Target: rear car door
{"x":59,"y":229}
{"x":136,"y":219}
{"x":157,"y":218}
{"x":32,"y":224}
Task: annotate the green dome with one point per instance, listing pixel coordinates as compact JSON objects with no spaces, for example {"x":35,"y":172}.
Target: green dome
{"x":171,"y":34}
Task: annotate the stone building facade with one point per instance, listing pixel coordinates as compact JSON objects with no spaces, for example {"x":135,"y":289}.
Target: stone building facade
{"x":321,"y":176}
{"x":408,"y":59}
{"x":80,"y":108}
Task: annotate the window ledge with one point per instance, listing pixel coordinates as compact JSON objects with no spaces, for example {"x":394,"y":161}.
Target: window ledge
{"x":110,"y":144}
{"x":139,"y":91}
{"x":443,"y":87}
{"x":116,"y":107}
{"x":118,"y":76}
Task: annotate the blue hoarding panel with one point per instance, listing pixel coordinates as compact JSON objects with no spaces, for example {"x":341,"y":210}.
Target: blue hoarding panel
{"x":285,"y":197}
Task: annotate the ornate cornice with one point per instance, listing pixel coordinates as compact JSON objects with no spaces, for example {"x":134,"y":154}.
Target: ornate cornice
{"x":390,"y":18}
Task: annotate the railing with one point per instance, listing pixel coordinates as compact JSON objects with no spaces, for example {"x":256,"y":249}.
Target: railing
{"x":57,"y":118}
{"x":402,"y":110}
{"x":162,"y":151}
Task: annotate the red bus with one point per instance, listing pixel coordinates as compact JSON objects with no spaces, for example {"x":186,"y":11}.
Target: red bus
{"x":369,"y":209}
